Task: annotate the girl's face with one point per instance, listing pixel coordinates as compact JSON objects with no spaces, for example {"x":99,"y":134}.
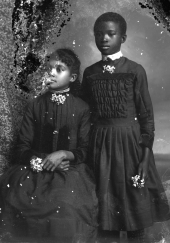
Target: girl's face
{"x":108,"y":37}
{"x":59,"y":75}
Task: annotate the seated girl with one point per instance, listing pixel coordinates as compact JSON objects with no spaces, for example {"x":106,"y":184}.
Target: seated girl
{"x":49,"y":194}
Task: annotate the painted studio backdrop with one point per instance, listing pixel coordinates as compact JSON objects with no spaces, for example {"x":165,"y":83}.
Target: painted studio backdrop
{"x":27,"y":34}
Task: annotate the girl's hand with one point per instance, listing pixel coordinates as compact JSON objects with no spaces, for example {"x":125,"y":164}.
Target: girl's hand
{"x":53,"y":160}
{"x":144,"y":164}
{"x":143,"y":171}
{"x":64,"y":165}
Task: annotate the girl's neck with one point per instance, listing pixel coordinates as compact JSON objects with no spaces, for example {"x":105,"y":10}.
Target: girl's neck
{"x":60,"y":91}
{"x":113,"y":56}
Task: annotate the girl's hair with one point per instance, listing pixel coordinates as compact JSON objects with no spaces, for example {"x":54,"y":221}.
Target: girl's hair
{"x":69,"y":57}
{"x":113,"y":17}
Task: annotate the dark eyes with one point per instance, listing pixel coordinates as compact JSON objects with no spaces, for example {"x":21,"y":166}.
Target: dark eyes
{"x":59,"y":69}
{"x":99,"y":34}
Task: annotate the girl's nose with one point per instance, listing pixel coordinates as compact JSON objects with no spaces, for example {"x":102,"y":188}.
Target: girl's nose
{"x":105,"y":38}
{"x":52,"y":72}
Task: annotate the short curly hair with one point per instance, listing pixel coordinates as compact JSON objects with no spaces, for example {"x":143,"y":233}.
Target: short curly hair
{"x":69,"y":57}
{"x":113,"y":17}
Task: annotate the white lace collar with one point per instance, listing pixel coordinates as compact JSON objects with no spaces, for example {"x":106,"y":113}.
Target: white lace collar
{"x":114,"y":56}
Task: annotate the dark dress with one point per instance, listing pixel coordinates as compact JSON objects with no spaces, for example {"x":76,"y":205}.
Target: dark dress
{"x":123,"y":124}
{"x":59,"y":205}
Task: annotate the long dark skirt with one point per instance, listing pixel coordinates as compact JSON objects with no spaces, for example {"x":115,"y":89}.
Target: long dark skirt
{"x":60,"y":206}
{"x":116,"y":154}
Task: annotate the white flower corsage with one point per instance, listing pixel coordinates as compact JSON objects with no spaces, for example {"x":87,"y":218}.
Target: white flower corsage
{"x":108,"y":68}
{"x":59,"y":98}
{"x":137,"y":182}
{"x":36,"y":164}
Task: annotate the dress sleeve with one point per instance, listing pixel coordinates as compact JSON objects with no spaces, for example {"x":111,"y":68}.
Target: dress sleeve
{"x":144,"y":108}
{"x":26,"y":135}
{"x":80,"y":152}
{"x":85,"y":87}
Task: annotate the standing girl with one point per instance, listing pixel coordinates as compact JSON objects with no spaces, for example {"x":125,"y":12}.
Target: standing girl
{"x":49,"y":194}
{"x":131,"y":196}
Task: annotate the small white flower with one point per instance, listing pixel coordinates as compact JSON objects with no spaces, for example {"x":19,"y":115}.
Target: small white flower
{"x":59,"y":99}
{"x":108,"y":68}
{"x":137,"y":182}
{"x":36,"y":164}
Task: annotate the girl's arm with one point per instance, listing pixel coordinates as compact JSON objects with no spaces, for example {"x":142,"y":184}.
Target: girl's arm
{"x":146,"y":119}
{"x":85,"y":87}
{"x":62,"y":159}
{"x":80,"y":153}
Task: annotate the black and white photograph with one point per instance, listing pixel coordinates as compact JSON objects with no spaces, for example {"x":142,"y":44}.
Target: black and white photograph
{"x":84,"y":121}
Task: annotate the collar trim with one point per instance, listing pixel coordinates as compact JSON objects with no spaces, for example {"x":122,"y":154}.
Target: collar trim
{"x":61,"y":91}
{"x":114,"y":56}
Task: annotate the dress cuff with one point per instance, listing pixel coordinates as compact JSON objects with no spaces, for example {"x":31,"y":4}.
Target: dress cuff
{"x":78,"y":156}
{"x":146,"y":140}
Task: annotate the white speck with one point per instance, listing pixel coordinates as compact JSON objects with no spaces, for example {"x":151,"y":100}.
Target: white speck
{"x":21,"y":168}
{"x":72,"y":191}
{"x":135,"y":118}
{"x":68,"y":137}
{"x":161,"y":32}
{"x":20,"y":184}
{"x":55,"y":132}
{"x":25,"y":167}
{"x":57,"y":211}
{"x":162,"y":87}
{"x":58,"y":206}
{"x":138,"y":21}
{"x":73,"y":114}
{"x":74,"y":42}
{"x":8,"y":185}
{"x":51,"y":118}
{"x":141,"y":53}
{"x":32,"y":197}
{"x":28,"y":177}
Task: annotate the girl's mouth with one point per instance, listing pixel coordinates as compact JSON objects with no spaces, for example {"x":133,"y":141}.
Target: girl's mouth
{"x":50,"y":81}
{"x":104,"y":47}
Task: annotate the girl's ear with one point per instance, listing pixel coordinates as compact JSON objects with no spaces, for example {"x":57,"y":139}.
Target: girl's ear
{"x":73,"y":77}
{"x":124,"y":37}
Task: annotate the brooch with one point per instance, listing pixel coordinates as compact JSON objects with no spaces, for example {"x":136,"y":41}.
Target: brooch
{"x":59,"y":99}
{"x":36,"y":164}
{"x":137,"y":182}
{"x":108,"y":68}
